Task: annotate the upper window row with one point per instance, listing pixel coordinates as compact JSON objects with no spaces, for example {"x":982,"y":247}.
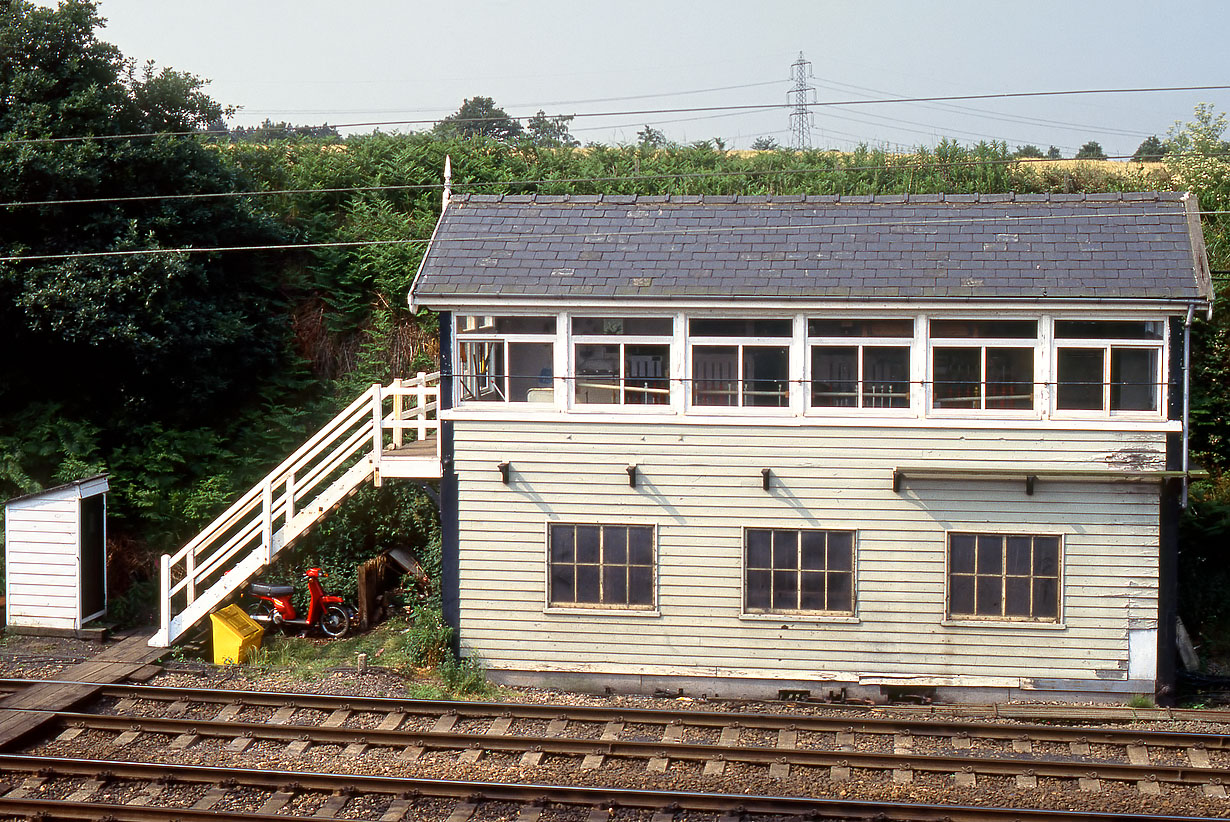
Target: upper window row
{"x":940,"y":364}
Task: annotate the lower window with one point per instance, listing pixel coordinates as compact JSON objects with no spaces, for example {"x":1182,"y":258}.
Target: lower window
{"x":601,"y":566}
{"x":790,"y":571}
{"x":998,"y":576}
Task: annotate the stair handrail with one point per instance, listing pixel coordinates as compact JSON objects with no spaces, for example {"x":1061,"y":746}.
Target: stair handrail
{"x":272,"y":499}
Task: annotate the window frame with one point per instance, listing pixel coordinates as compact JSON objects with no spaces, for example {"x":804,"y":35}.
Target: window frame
{"x":640,"y":610}
{"x":1108,"y":345}
{"x":771,"y":613}
{"x":788,"y":342}
{"x":1003,"y":619}
{"x":861,"y":343}
{"x":504,"y":340}
{"x":1036,"y":343}
{"x":575,"y":341}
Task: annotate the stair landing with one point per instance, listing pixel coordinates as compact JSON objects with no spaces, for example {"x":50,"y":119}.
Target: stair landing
{"x":414,"y":460}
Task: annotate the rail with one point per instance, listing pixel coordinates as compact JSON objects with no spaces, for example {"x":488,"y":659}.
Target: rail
{"x":346,"y":452}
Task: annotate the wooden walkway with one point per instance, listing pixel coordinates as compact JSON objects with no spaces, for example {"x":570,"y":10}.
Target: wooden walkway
{"x":24,"y":712}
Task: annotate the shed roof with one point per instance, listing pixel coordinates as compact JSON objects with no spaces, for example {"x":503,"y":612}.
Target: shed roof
{"x":77,"y":489}
{"x":1139,"y":246}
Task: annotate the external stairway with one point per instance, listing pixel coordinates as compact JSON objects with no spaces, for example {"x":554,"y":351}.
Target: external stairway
{"x":390,"y":431}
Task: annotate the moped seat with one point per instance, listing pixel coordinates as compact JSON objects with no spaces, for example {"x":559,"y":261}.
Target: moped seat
{"x":263,"y":590}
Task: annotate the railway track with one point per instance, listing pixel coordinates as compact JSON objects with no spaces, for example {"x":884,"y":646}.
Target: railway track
{"x":596,"y":745}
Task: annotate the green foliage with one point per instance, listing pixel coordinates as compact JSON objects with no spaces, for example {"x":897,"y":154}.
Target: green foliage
{"x":650,"y":137}
{"x":765,"y":144}
{"x":1053,"y":153}
{"x":269,"y":131}
{"x":1091,"y":150}
{"x":1151,"y":150}
{"x":1028,"y":152}
{"x":551,"y":132}
{"x":480,"y":117}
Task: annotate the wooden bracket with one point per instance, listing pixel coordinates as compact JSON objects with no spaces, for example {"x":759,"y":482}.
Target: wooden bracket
{"x":765,"y":474}
{"x":897,"y":478}
{"x":1029,"y":485}
{"x":505,"y":472}
{"x":631,"y":469}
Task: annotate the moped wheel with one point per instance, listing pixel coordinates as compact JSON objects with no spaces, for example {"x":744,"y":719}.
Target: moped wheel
{"x":265,"y":616}
{"x":335,"y":622}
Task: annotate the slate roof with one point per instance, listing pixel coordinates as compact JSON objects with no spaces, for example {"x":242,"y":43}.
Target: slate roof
{"x":1124,"y":246}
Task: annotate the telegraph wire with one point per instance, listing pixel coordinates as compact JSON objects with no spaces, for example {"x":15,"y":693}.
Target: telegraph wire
{"x":1009,"y":219}
{"x":641,"y":112}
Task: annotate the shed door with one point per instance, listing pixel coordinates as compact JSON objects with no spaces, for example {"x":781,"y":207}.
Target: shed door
{"x":93,"y":581}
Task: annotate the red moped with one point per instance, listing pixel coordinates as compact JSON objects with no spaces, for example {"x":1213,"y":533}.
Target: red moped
{"x":328,"y":614}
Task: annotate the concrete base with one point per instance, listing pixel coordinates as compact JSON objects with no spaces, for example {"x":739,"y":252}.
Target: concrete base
{"x":1099,"y":691}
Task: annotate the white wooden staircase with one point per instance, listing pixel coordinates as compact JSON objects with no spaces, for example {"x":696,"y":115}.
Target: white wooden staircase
{"x":389,"y":431}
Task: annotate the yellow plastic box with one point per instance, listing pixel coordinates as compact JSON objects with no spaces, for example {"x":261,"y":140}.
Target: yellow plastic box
{"x":236,"y":636}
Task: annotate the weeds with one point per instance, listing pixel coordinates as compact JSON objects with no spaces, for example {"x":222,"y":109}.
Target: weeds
{"x":1141,"y":701}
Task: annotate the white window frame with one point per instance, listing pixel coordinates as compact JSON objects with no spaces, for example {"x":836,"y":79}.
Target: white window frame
{"x":1162,"y":347}
{"x":622,"y":340}
{"x":793,"y":365}
{"x":1037,"y":409}
{"x":798,"y":613}
{"x":909,"y":343}
{"x":461,"y":338}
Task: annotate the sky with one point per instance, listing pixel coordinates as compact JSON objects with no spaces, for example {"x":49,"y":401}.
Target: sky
{"x":369,"y":61}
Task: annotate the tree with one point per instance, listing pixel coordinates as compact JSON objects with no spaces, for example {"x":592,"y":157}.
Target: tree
{"x":650,"y":137}
{"x":1150,"y":151}
{"x":105,"y":328}
{"x":1028,"y":152}
{"x":765,"y":144}
{"x":269,"y":131}
{"x":1091,"y":150}
{"x":1052,"y":153}
{"x":479,"y":117}
{"x":551,"y":132}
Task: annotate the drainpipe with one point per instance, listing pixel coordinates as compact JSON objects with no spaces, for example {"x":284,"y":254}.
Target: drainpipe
{"x":1187,"y":401}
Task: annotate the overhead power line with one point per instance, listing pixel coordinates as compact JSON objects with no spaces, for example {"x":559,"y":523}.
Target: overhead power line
{"x":456,"y":185}
{"x":641,"y":112}
{"x":517,"y":235}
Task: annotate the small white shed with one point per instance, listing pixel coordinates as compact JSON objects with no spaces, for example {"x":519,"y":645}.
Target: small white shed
{"x":55,"y":555}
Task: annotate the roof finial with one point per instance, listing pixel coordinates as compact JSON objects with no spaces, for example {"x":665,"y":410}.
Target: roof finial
{"x":448,"y":180}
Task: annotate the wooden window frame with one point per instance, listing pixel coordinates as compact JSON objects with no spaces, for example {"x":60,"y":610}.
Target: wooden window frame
{"x":504,"y":340}
{"x":771,"y":611}
{"x":567,"y":606}
{"x":1108,"y":345}
{"x":1037,"y":344}
{"x":861,"y":344}
{"x":1002,"y":616}
{"x":576,"y":340}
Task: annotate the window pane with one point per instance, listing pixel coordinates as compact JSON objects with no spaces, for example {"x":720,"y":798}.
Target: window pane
{"x":1046,"y":599}
{"x":615,"y":585}
{"x":530,"y":367}
{"x":645,"y":374}
{"x":958,"y":377}
{"x":841,"y":551}
{"x":986,"y":329}
{"x":715,"y":375}
{"x":1081,"y":372}
{"x":961,"y":594}
{"x":1107,"y":330}
{"x":640,"y":545}
{"x":1010,"y":378}
{"x":1018,"y":559}
{"x":614,"y":545}
{"x":886,"y":377}
{"x":640,"y":585}
{"x":562,"y":539}
{"x":766,"y":375}
{"x":562,"y":579}
{"x":740,"y":328}
{"x":1016,"y":596}
{"x":588,"y":586}
{"x":990,"y":554}
{"x":624,"y":326}
{"x":811,"y":591}
{"x":785,"y":550}
{"x":587,"y":543}
{"x":480,"y":371}
{"x":840,"y":592}
{"x":785,"y":590}
{"x":834,"y":377}
{"x":505,"y":325}
{"x":758,"y":589}
{"x":1046,"y":556}
{"x":811,"y":550}
{"x":759,"y":549}
{"x":989,"y":596}
{"x":597,"y":373}
{"x":961,"y":554}
{"x":1133,"y":379}
{"x":860,"y":328}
